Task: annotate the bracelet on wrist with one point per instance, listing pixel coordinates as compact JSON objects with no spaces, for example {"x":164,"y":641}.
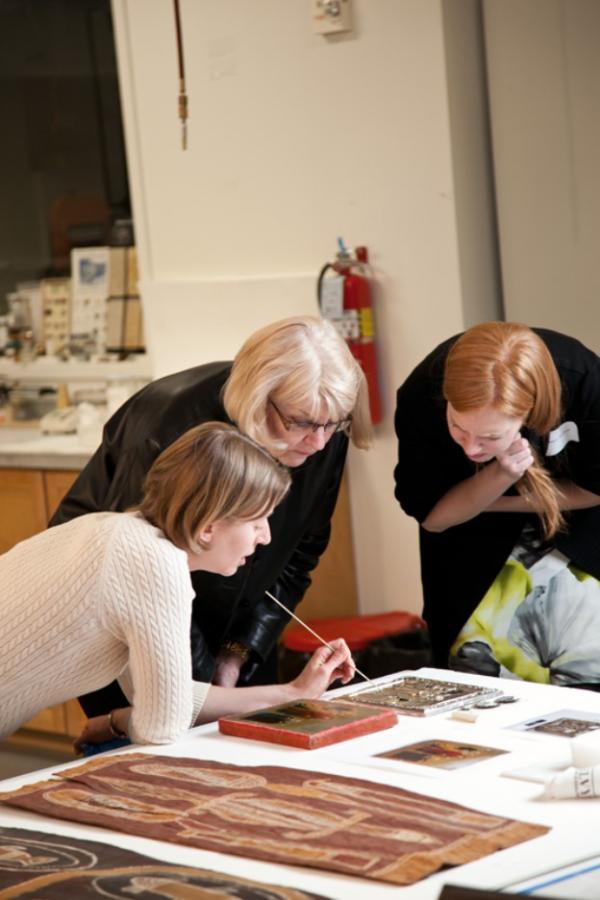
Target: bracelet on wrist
{"x":114,"y":729}
{"x":237,"y":648}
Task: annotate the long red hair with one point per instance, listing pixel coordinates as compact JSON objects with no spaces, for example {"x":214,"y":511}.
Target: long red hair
{"x":507,"y":366}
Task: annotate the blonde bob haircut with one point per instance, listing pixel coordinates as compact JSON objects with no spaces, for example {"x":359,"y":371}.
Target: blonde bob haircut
{"x":300,"y":363}
{"x":211,"y":473}
{"x":507,"y":366}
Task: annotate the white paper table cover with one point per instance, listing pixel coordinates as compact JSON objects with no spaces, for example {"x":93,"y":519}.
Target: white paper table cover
{"x":574,"y":834}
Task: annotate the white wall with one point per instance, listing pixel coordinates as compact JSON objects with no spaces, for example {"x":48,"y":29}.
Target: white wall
{"x":544,"y":76}
{"x":295,"y":139}
{"x":472,"y":167}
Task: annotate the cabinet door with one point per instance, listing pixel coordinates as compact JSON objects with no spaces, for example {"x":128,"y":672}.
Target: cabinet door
{"x":22,"y":506}
{"x":28,"y":500}
{"x":23,"y":514}
{"x":57,"y":483}
{"x":65,"y":718}
{"x":52,"y":719}
{"x":75,"y":718}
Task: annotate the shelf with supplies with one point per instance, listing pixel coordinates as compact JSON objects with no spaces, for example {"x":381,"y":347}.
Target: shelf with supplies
{"x":94,"y":311}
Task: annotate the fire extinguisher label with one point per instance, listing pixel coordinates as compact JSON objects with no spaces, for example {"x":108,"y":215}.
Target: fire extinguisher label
{"x":366,"y":322}
{"x":332,"y":297}
{"x":349,"y":325}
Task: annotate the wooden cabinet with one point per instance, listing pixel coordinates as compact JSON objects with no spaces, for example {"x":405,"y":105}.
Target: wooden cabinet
{"x":56,"y":485}
{"x":28,"y":498}
{"x":22,"y":506}
{"x":66,"y":719}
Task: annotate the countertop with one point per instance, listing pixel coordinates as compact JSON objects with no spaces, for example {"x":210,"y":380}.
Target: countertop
{"x":25,"y":447}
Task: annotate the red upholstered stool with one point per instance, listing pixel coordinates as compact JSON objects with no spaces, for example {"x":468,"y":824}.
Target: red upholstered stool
{"x":380,"y":644}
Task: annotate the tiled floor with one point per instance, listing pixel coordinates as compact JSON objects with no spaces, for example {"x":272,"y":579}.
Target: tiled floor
{"x":16,"y":761}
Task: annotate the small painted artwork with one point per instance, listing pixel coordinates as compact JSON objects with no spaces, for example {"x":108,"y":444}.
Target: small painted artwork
{"x":308,"y":723}
{"x":275,"y":814}
{"x":52,"y":867}
{"x":442,"y":754}
{"x":423,"y":696}
{"x":564,"y":723}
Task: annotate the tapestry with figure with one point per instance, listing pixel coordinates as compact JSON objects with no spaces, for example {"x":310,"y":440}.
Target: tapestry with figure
{"x":282,"y":815}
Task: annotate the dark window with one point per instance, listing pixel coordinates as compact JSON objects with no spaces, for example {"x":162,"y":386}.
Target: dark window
{"x":63,"y":173}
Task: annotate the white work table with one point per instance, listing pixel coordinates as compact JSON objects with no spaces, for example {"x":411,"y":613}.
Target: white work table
{"x":574,"y":834}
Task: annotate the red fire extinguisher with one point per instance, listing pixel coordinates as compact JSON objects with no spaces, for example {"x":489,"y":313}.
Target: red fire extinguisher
{"x":345,"y":299}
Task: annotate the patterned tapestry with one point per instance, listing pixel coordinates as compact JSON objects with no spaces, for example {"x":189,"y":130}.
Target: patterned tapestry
{"x":277,"y":814}
{"x":50,"y":867}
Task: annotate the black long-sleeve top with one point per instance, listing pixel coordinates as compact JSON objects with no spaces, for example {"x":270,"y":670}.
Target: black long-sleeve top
{"x":459,"y":564}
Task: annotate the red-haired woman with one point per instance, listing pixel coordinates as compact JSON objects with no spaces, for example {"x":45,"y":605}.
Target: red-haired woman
{"x":499,"y":461}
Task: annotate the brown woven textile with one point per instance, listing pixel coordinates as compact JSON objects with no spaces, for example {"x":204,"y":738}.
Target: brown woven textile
{"x":277,"y":814}
{"x":51,"y":867}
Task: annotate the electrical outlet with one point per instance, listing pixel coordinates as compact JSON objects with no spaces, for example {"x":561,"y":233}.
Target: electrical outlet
{"x":331,"y":16}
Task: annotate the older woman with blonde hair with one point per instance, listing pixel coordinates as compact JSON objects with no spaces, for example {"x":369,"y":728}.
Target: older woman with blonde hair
{"x":301,"y":366}
{"x":111,"y":596}
{"x":296,"y":389}
{"x":499,"y":461}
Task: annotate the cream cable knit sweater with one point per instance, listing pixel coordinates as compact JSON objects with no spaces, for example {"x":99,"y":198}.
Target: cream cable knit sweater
{"x":81,"y":602}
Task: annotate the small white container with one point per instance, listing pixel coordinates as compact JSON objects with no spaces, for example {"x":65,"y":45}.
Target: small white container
{"x":89,"y":425}
{"x":585,"y":749}
{"x":117,"y":394}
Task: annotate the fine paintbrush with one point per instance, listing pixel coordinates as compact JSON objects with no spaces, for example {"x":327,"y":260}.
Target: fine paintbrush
{"x":308,"y":628}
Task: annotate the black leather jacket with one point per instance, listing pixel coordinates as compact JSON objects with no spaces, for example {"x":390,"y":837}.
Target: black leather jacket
{"x":233,"y":608}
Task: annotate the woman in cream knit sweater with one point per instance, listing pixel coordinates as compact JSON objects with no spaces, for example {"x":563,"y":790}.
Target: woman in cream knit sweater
{"x":110,"y":595}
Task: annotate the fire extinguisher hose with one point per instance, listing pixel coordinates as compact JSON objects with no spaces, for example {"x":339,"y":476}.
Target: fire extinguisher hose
{"x":319,"y":282}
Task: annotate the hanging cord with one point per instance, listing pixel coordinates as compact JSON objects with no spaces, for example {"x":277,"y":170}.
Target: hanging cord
{"x":183,"y":100}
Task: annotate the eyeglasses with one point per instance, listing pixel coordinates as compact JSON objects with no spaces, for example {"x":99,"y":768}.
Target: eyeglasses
{"x":300,"y":426}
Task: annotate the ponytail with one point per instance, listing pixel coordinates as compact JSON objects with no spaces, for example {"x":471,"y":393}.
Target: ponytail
{"x":538,"y":488}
